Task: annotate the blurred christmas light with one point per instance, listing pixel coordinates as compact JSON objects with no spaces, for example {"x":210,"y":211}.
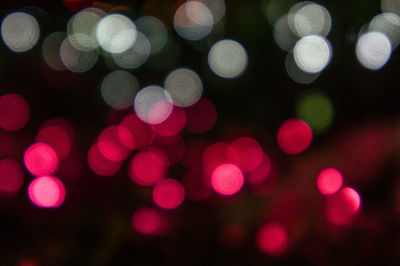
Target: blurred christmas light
{"x":155,"y":32}
{"x":14,"y":112}
{"x":227,"y":59}
{"x":116,"y":33}
{"x":343,"y":206}
{"x":213,"y":156}
{"x":294,"y":136}
{"x":168,"y":193}
{"x":246,"y":153}
{"x":312,"y":53}
{"x":148,"y":221}
{"x":142,"y":135}
{"x":184,"y":86}
{"x":11,"y":176}
{"x":329,"y":181}
{"x":296,"y":73}
{"x":75,"y":60}
{"x":388,"y":24}
{"x":152,"y":105}
{"x":100,"y":164}
{"x":193,"y":20}
{"x":173,"y":124}
{"x":259,"y":174}
{"x":119,"y":89}
{"x":57,"y":138}
{"x":373,"y":50}
{"x":40,"y":159}
{"x":46,"y":192}
{"x":283,"y":35}
{"x":20,"y":31}
{"x":148,"y":166}
{"x":227,"y":179}
{"x":51,"y":50}
{"x":316,"y":109}
{"x":272,"y":239}
{"x":110,"y":145}
{"x":136,"y":55}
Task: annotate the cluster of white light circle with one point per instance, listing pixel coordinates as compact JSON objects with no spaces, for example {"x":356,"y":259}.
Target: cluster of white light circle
{"x":302,"y":33}
{"x":380,"y":37}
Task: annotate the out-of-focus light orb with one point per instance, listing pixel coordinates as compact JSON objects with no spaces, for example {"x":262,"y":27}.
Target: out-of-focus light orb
{"x":329,"y":181}
{"x":316,"y":109}
{"x":20,"y":31}
{"x":57,"y":138}
{"x":312,"y":53}
{"x":246,"y":153}
{"x":11,"y":176}
{"x":152,"y":104}
{"x":76,"y":60}
{"x":392,"y":6}
{"x":272,"y":239}
{"x":201,"y":116}
{"x":148,"y":166}
{"x":216,"y":7}
{"x":142,"y":133}
{"x":168,"y":193}
{"x":155,"y":32}
{"x":308,"y":18}
{"x":147,"y":221}
{"x":116,"y":33}
{"x":51,"y":50}
{"x":14,"y":112}
{"x":342,"y":206}
{"x":388,"y":24}
{"x":100,"y":164}
{"x":136,"y":55}
{"x":81,"y":28}
{"x":119,"y":88}
{"x":173,"y":125}
{"x":40,"y":159}
{"x":110,"y":145}
{"x":260,"y":174}
{"x":193,"y":20}
{"x":283,"y":35}
{"x":228,"y":59}
{"x":184,"y":86}
{"x":46,"y":192}
{"x":373,"y":50}
{"x":294,"y":136}
{"x":227,"y":179}
{"x":296,"y":73}
{"x":213,"y":156}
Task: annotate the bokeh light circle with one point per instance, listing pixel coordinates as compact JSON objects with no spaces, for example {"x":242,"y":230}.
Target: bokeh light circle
{"x":272,"y":239}
{"x":246,"y":153}
{"x":227,"y":179}
{"x":373,"y":50}
{"x":294,"y":136}
{"x":329,"y":181}
{"x":228,"y":59}
{"x":312,"y":53}
{"x":40,"y":159}
{"x":46,"y":192}
{"x":11,"y":175}
{"x":20,"y":31}
{"x":168,"y":193}
{"x":147,"y":221}
{"x":14,"y":112}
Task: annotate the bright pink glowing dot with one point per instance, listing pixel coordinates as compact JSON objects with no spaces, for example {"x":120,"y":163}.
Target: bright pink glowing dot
{"x":201,"y":117}
{"x":272,"y":239}
{"x":168,"y":193}
{"x":147,"y":221}
{"x":11,"y":175}
{"x":294,"y":136}
{"x":57,"y":138}
{"x":100,"y":164}
{"x":213,"y":156}
{"x":246,"y":153}
{"x":227,"y":179}
{"x":149,"y":166}
{"x":173,"y":124}
{"x":14,"y":112}
{"x":329,"y":181}
{"x":41,"y":159}
{"x":141,"y":134}
{"x":46,"y":192}
{"x":343,"y":205}
{"x":110,"y":145}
